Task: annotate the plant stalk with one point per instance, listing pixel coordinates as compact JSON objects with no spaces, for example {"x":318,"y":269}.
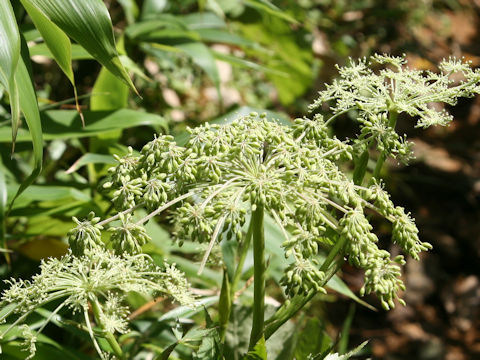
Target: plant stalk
{"x":258,"y":276}
{"x":112,"y":341}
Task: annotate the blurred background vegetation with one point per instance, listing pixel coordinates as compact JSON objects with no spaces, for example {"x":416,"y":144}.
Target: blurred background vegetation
{"x":194,"y":61}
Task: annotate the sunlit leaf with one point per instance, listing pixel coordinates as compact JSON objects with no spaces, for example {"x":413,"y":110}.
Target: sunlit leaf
{"x":108,"y":93}
{"x":90,"y":158}
{"x":9,"y":58}
{"x":88,"y":23}
{"x":55,"y":39}
{"x":259,"y":351}
{"x":29,"y":107}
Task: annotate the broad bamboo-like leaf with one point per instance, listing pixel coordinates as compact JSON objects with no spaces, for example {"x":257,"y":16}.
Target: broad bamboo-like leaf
{"x":55,"y":39}
{"x":108,"y":93}
{"x":49,"y":193}
{"x":89,"y":24}
{"x":58,"y":43}
{"x":9,"y":57}
{"x":90,"y":158}
{"x":78,"y":52}
{"x":203,"y":20}
{"x":29,"y":107}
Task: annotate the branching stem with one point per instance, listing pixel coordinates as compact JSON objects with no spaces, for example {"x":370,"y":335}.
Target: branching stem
{"x":112,"y":341}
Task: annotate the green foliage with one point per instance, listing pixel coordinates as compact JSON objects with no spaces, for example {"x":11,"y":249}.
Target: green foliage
{"x":396,"y":89}
{"x":255,"y":195}
{"x":225,"y":174}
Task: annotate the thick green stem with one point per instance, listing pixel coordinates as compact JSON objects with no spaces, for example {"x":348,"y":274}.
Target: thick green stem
{"x":97,"y":313}
{"x":258,"y":276}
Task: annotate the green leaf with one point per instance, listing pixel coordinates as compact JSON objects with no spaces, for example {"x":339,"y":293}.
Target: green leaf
{"x":78,"y":52}
{"x":268,"y":8}
{"x":145,"y":28}
{"x":240,"y":62}
{"x":224,"y":36}
{"x":208,"y":349}
{"x":130,"y":9}
{"x":338,"y":285}
{"x":203,"y":20}
{"x":153,"y":8}
{"x":3,"y":206}
{"x":347,"y":324}
{"x":165,"y":355}
{"x":228,"y":252}
{"x":29,"y":107}
{"x":360,"y":167}
{"x":10,"y":43}
{"x":312,"y":340}
{"x":49,"y":193}
{"x":89,"y":24}
{"x":55,"y":39}
{"x":108,"y":93}
{"x":185,"y":311}
{"x":9,"y":58}
{"x":259,"y":351}
{"x":57,"y":42}
{"x":64,"y":124}
{"x":90,"y":158}
{"x":343,"y":357}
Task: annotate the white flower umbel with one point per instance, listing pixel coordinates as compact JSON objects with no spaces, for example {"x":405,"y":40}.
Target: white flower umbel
{"x":98,"y":278}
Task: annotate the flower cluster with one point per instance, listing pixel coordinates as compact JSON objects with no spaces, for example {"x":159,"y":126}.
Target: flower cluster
{"x":224,"y":172}
{"x":382,"y":85}
{"x":99,"y":277}
{"x":86,"y":235}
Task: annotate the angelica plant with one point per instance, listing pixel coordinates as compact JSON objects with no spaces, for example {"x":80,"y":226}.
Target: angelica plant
{"x":224,"y":181}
